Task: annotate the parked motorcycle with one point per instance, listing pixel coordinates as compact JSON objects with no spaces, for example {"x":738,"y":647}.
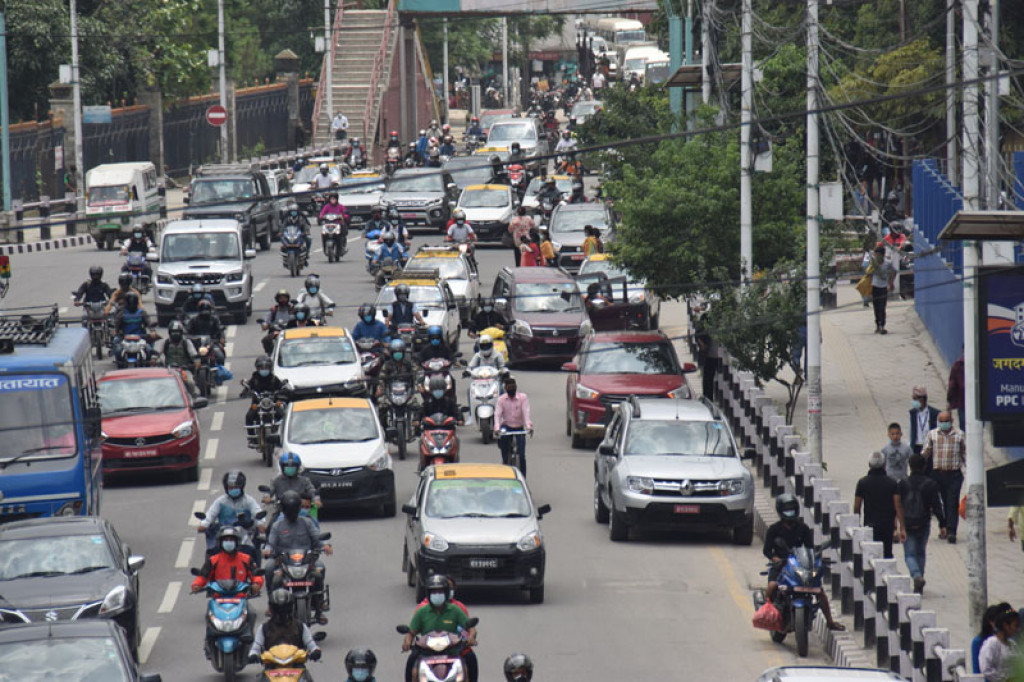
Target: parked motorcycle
{"x":799,"y":594}
{"x":440,"y":653}
{"x":297,"y":573}
{"x":294,"y":253}
{"x":229,"y":625}
{"x":439,"y":444}
{"x":484,"y":385}
{"x":135,"y":265}
{"x":334,"y":235}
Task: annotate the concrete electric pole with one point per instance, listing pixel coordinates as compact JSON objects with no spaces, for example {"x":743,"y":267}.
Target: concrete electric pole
{"x":225,"y":153}
{"x":746,"y":106}
{"x":814,"y":439}
{"x":76,"y":97}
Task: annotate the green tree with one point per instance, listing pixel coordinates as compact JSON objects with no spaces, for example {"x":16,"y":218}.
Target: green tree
{"x":472,"y":42}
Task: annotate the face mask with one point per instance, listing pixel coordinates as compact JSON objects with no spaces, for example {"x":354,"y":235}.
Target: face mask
{"x":360,"y":674}
{"x":235,"y":492}
{"x":138,"y":236}
{"x":511,"y":391}
{"x":945,"y":426}
{"x":313,"y":290}
{"x":916,"y":404}
{"x":437,"y":599}
{"x":435,"y":342}
{"x":175,"y":338}
{"x":291,"y":471}
{"x":229,"y":546}
{"x":264,"y":372}
{"x":300,"y":316}
{"x":885,"y":232}
{"x":398,"y":355}
{"x":488,"y":308}
{"x":438,"y":394}
{"x":367,"y":319}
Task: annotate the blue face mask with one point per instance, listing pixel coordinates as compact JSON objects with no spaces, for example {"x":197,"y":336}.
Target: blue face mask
{"x":438,"y":394}
{"x":264,"y":372}
{"x":885,"y":231}
{"x":312,"y":290}
{"x":300,"y":316}
{"x":916,"y":404}
{"x":235,"y":492}
{"x":229,"y":545}
{"x":368,"y":319}
{"x":360,"y":674}
{"x":437,"y":599}
{"x":398,"y":355}
{"x":435,"y":342}
{"x":945,"y":426}
{"x":291,"y":471}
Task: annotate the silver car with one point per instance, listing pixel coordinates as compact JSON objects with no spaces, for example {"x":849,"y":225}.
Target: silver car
{"x":675,"y":464}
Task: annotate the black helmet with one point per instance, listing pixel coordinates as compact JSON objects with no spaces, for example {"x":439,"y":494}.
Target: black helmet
{"x":124,"y":280}
{"x":437,"y":384}
{"x":264,"y":362}
{"x":402,"y":292}
{"x":291,"y":503}
{"x":439,"y":582}
{"x":205,"y":308}
{"x":518,"y":668}
{"x":234,"y":479}
{"x":367,"y":309}
{"x":229,"y":532}
{"x":198,"y":292}
{"x":549,"y":180}
{"x":131,"y":301}
{"x":176,"y":330}
{"x":787,"y":506}
{"x":313,"y":283}
{"x":516,"y":146}
{"x":96,"y":273}
{"x":389,"y":237}
{"x":282,"y":605}
{"x":495,"y":160}
{"x":360,"y":658}
{"x":302,"y":312}
{"x":332,"y":195}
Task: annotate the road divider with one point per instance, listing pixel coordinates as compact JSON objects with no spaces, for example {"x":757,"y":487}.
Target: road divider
{"x":170,"y":597}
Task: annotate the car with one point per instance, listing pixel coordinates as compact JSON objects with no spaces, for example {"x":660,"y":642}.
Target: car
{"x":422,"y":196}
{"x":489,"y":208}
{"x":644,"y":301}
{"x":302,"y":183}
{"x":584,"y":109}
{"x":433,"y":299}
{"x":280,"y":186}
{"x":207,"y":252}
{"x":477,"y":524}
{"x":543,"y":313}
{"x":455,"y":268}
{"x":502,"y":152}
{"x":318,"y":361}
{"x":469,"y":170}
{"x":610,"y":367}
{"x":66,"y":569}
{"x":234,"y":191}
{"x":672,"y":464}
{"x":360,"y":192}
{"x":489,"y":117}
{"x":149,"y":423}
{"x":822,"y":673}
{"x":530,"y":202}
{"x":80,"y":651}
{"x":528,"y":133}
{"x":343,"y":450}
{"x":566,"y":229}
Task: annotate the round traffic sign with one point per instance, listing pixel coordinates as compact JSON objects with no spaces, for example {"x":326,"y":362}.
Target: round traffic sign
{"x":216,"y":115}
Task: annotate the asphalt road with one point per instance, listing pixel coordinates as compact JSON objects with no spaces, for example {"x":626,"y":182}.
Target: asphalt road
{"x":661,"y":607}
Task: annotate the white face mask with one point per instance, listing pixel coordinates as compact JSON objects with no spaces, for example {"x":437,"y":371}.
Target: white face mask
{"x":437,"y":599}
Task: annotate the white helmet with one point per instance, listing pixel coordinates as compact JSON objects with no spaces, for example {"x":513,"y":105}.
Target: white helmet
{"x":486,"y":345}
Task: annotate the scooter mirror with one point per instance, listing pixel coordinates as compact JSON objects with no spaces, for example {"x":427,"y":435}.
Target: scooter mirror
{"x":261,"y":515}
{"x":325,"y":536}
{"x":264,"y":489}
{"x":194,"y":571}
{"x":319,"y":636}
{"x":199,"y":515}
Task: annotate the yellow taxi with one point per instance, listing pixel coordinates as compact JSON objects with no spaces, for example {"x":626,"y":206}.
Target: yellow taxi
{"x":455,"y":268}
{"x":318,"y":361}
{"x":432,"y":298}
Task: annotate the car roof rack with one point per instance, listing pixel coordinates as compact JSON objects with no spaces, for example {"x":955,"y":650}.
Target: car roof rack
{"x":27,"y":329}
{"x":634,"y":404}
{"x":419,"y":273}
{"x":226,"y":168}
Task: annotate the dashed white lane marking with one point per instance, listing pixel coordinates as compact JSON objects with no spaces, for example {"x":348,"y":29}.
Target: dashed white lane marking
{"x":197,"y":506}
{"x":259,"y":287}
{"x":230,"y":332}
{"x":62,"y":311}
{"x":185,"y":553}
{"x":211,"y":448}
{"x":146,"y":645}
{"x":205,"y":479}
{"x":217,"y":422}
{"x":229,"y":348}
{"x":170,"y":597}
{"x":356,"y":238}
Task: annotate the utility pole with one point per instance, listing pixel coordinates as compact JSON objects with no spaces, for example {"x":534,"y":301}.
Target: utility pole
{"x":329,"y":58}
{"x":675,"y":54}
{"x":814,"y":438}
{"x":690,"y":123}
{"x":5,"y":118}
{"x":705,"y":52}
{"x":992,"y":110}
{"x":977,"y":574}
{"x":444,"y":78}
{"x":951,"y":141}
{"x":76,"y":103}
{"x":504,"y":60}
{"x":746,"y":192}
{"x":225,"y":153}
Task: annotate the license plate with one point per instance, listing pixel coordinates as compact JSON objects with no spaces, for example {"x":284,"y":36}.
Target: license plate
{"x":140,"y":453}
{"x":807,"y":590}
{"x":483,"y":563}
{"x":577,"y":256}
{"x":338,"y":484}
{"x":298,"y":583}
{"x":687,"y":509}
{"x":556,"y":340}
{"x":409,"y":216}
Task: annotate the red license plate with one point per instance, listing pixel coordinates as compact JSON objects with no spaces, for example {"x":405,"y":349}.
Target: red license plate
{"x":809,"y":590}
{"x":409,"y":216}
{"x":140,"y":453}
{"x":687,"y":509}
{"x":556,"y":340}
{"x":299,"y":583}
{"x":578,"y":256}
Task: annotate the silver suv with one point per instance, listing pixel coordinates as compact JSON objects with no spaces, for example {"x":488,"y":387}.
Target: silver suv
{"x":672,"y":464}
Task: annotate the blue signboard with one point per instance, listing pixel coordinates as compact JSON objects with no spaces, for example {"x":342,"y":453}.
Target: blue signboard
{"x":1001,"y":331}
{"x":96,"y":114}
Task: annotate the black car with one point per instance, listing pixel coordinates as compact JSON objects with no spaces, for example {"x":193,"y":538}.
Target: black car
{"x":234,"y":191}
{"x":79,"y":651}
{"x":66,"y":569}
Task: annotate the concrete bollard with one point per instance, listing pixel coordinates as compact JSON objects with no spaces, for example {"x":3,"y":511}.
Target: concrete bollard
{"x":44,"y":215}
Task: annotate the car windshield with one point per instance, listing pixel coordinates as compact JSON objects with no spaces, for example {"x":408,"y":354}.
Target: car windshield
{"x":447,"y":268}
{"x":322,"y":350}
{"x":108,"y":196}
{"x":469,"y":170}
{"x":682,"y":438}
{"x":45,"y":557}
{"x":140,"y":395}
{"x":612,"y":271}
{"x":635,"y":36}
{"x":484,"y":198}
{"x":510,"y":132}
{"x":69,"y":659}
{"x":36,"y":419}
{"x":563,"y":185}
{"x":545,"y":297}
{"x":423,"y":297}
{"x":332,"y":426}
{"x":426,"y":182}
{"x":635,"y":64}
{"x":306,"y":175}
{"x":200,"y":246}
{"x":564,"y":222}
{"x":630,"y":358}
{"x":487,"y":120}
{"x":218,"y":189}
{"x":477,"y":497}
{"x":361,"y":185}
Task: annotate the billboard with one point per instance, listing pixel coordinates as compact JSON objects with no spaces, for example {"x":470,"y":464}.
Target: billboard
{"x":1001,"y":349}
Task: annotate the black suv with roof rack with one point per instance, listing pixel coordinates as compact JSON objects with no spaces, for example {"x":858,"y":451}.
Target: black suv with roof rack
{"x":234,"y":191}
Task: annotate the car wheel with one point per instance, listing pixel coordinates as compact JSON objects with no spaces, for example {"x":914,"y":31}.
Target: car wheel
{"x":421,"y":589}
{"x":537,"y":595}
{"x":618,"y":527}
{"x":743,"y":534}
{"x":568,"y":421}
{"x":600,"y":510}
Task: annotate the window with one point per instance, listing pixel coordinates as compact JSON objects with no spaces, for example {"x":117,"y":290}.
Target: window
{"x":108,"y":196}
{"x":324,"y":350}
{"x":69,"y":659}
{"x":198,"y":246}
{"x":37,"y":419}
{"x":447,"y":268}
{"x":477,"y":497}
{"x":54,"y":556}
{"x":306,"y":427}
{"x":554,"y":297}
{"x":681,"y":438}
{"x":427,"y":182}
{"x":485,"y":198}
{"x":423,"y":297}
{"x":629,"y":358}
{"x":140,"y":395}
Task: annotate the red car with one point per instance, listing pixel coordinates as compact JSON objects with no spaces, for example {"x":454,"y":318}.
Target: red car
{"x":610,"y":367}
{"x":149,"y":423}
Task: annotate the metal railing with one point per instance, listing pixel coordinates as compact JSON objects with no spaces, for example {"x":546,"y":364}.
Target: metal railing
{"x":378,"y":66}
{"x":325,"y":89}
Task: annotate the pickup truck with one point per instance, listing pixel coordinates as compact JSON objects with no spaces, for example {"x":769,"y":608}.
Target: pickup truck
{"x":234,"y":192}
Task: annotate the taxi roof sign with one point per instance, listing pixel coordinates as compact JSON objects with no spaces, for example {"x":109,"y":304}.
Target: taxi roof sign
{"x":486,"y":187}
{"x":330,"y":403}
{"x":313,"y":332}
{"x":597,"y":257}
{"x":457,"y":471}
{"x":431,"y":252}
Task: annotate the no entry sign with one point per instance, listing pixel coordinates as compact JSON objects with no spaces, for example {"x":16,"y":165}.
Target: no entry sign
{"x":216,"y":115}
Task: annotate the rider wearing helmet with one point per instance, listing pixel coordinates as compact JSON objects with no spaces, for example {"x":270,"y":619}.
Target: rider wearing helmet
{"x":377,"y":222}
{"x":262,"y":381}
{"x":390,"y":248}
{"x":397,"y":225}
{"x":324,"y":179}
{"x":549,"y":190}
{"x":485,"y":317}
{"x":355,"y":155}
{"x":205,"y":323}
{"x":434,"y":130}
{"x":179,"y":352}
{"x":398,"y":365}
{"x":438,"y":614}
{"x":313,"y":296}
{"x":294,"y":531}
{"x":403,"y":311}
{"x":566,"y":144}
{"x":94,"y":289}
{"x":124,"y":287}
{"x":369,"y":326}
{"x":360,"y":665}
{"x":518,"y":668}
{"x":303,"y":317}
{"x":515,"y":154}
{"x":393,"y":140}
{"x":334,"y":211}
{"x":783,"y":536}
{"x":447,"y":147}
{"x":278,"y":317}
{"x":435,"y":347}
{"x":138,"y":242}
{"x":486,"y":355}
{"x":196,"y":294}
{"x":475,"y":128}
{"x":437,"y":399}
{"x":131,"y":319}
{"x":228,"y":563}
{"x":290,"y":479}
{"x":233,"y":508}
{"x":283,"y":628}
{"x":459,"y":230}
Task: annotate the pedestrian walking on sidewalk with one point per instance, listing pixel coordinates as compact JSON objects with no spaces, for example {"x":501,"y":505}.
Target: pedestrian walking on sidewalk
{"x":955,"y":389}
{"x":878,"y":495}
{"x":1015,"y":524}
{"x":920,"y":498}
{"x":707,"y":352}
{"x":897,"y":453}
{"x":947,"y":452}
{"x":923,"y":418}
{"x":882,"y":278}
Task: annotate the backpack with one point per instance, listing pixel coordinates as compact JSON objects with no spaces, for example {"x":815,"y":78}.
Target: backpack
{"x":915,"y":510}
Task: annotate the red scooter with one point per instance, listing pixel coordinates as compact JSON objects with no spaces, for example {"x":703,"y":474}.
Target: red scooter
{"x":439,"y":443}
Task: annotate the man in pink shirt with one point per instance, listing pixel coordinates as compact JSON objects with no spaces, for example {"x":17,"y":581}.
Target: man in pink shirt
{"x":512,"y":413}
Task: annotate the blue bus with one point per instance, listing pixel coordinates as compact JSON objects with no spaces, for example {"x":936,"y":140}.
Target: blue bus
{"x":50,"y":437}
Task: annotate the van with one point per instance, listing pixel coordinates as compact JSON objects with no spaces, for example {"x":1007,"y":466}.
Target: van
{"x":634,"y":60}
{"x":119,"y":195}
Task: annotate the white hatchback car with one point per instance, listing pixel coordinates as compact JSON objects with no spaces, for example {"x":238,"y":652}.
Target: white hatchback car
{"x":318,"y":361}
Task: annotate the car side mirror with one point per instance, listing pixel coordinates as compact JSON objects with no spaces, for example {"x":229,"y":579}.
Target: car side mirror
{"x":200,"y":402}
{"x":606,"y":450}
{"x":570,"y":367}
{"x":152,"y":257}
{"x":409,"y":509}
{"x":542,"y":510}
{"x":249,"y":254}
{"x":689,"y":368}
{"x":501,"y":304}
{"x":749,"y":453}
{"x":136,"y":562}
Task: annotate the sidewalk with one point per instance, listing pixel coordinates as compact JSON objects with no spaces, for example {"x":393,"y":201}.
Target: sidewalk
{"x":866,"y":384}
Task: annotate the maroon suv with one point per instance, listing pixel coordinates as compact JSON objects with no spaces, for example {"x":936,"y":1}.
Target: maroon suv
{"x":544,"y":315}
{"x":610,"y":367}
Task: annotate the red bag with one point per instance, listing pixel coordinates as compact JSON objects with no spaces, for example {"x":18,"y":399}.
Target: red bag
{"x":768,"y":618}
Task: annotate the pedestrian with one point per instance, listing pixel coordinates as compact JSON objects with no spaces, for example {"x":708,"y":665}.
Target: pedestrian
{"x":955,"y":389}
{"x":882,"y":278}
{"x":598,"y":81}
{"x":1015,"y":524}
{"x":519,"y":227}
{"x":339,"y":126}
{"x":1000,"y":650}
{"x":988,"y":628}
{"x":896,"y":453}
{"x":592,"y":243}
{"x":531,"y":251}
{"x":547,"y":247}
{"x":922,"y":418}
{"x":921,"y":500}
{"x":707,"y":351}
{"x":71,"y":180}
{"x":945,"y":448}
{"x":883,"y":512}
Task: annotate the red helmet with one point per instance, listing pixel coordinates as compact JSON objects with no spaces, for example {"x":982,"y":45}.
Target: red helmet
{"x":394,"y":133}
{"x":475,"y":119}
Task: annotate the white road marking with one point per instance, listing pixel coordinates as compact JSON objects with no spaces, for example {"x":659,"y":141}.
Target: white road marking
{"x":197,"y":506}
{"x":185,"y":553}
{"x":217,"y":423}
{"x":211,"y":448}
{"x":146,"y":645}
{"x":63,"y":311}
{"x":259,"y":287}
{"x":205,"y":478}
{"x":170,"y":596}
{"x":230,"y":332}
{"x":356,"y":238}
{"x":229,"y":348}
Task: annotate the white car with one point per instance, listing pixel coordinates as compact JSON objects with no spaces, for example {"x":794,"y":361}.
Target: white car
{"x":318,"y":361}
{"x":489,"y":208}
{"x":343,"y":450}
{"x":454,"y":268}
{"x":433,"y":299}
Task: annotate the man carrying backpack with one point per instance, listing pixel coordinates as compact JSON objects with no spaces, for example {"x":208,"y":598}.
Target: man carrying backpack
{"x":920,"y":498}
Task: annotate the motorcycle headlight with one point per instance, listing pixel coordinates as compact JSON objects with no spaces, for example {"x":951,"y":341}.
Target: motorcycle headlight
{"x":529,"y":542}
{"x":235,"y":276}
{"x":732,"y":486}
{"x":804,"y":574}
{"x":228,"y":625}
{"x":434,"y":542}
{"x":183,"y":430}
{"x":586,"y":328}
{"x":640,"y":484}
{"x":115,"y":601}
{"x":584,"y":393}
{"x":297,"y":571}
{"x":164,"y":279}
{"x":483,"y":390}
{"x":382,"y":463}
{"x":520,"y":328}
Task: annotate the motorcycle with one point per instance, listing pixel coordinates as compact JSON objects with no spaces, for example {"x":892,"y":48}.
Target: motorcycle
{"x":517,"y":179}
{"x":297,"y":574}
{"x":371,"y":242}
{"x":294,"y":253}
{"x":439,"y":443}
{"x":96,"y":321}
{"x":371,"y":356}
{"x":318,"y":201}
{"x":334,"y":235}
{"x":484,"y":384}
{"x":393,"y":161}
{"x":287,"y":663}
{"x":387,"y":268}
{"x":399,"y":396}
{"x":438,"y":367}
{"x":799,"y":594}
{"x":136,"y":266}
{"x":228,"y":625}
{"x":440,"y":653}
{"x":206,"y":373}
{"x":265,"y":434}
{"x":135,"y":352}
{"x":472,"y":143}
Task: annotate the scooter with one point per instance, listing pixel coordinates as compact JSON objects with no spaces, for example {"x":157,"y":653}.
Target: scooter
{"x":265,"y":433}
{"x":296,"y":573}
{"x":393,"y":161}
{"x":497,"y":335}
{"x":799,"y":594}
{"x":439,"y":443}
{"x":228,"y":625}
{"x":399,"y":395}
{"x":438,"y":367}
{"x":483,"y":390}
{"x":287,"y":663}
{"x":334,"y":235}
{"x":386,"y":271}
{"x":294,"y":253}
{"x":440,"y":653}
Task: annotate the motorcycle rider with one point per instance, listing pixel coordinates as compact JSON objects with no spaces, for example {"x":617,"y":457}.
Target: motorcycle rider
{"x":94,"y":290}
{"x":460,"y":231}
{"x":577,"y":196}
{"x":333,"y":211}
{"x":191,"y":305}
{"x":486,"y":317}
{"x":360,"y":664}
{"x":376,"y":222}
{"x":549,"y":190}
{"x":312,"y":293}
{"x":793,"y":533}
{"x":236,"y":509}
{"x":435,"y":347}
{"x":279,"y":316}
{"x":263,"y":380}
{"x":229,"y":563}
{"x":512,"y":413}
{"x":421,"y":146}
{"x":389,"y":249}
{"x":439,"y":614}
{"x":438,"y":400}
{"x":393,"y":140}
{"x":447,"y":147}
{"x":208,"y":324}
{"x":283,"y":628}
{"x":131,"y":319}
{"x":324,"y":179}
{"x":290,"y":479}
{"x":518,"y":668}
{"x":434,"y":157}
{"x":124,"y":287}
{"x":434,"y":130}
{"x":498,"y":170}
{"x":138,"y":243}
{"x":403,"y":312}
{"x":298,"y":218}
{"x":369,"y":326}
{"x":296,"y":532}
{"x":179,"y":352}
{"x":355,"y":156}
{"x":475,"y":129}
{"x":303,"y":317}
{"x":515,"y":154}
{"x":566,"y":144}
{"x":398,"y":365}
{"x":486,"y":356}
{"x":397,"y":225}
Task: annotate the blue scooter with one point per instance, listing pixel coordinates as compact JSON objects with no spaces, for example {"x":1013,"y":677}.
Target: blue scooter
{"x":229,"y":626}
{"x":799,"y":595}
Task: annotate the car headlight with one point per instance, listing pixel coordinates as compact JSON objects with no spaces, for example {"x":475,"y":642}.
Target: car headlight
{"x":731,"y":486}
{"x":584,"y":393}
{"x":234,"y":276}
{"x":382,"y":463}
{"x":183,"y":430}
{"x":520,"y":328}
{"x":434,"y":542}
{"x":228,"y":625}
{"x":586,"y":328}
{"x":529,"y":542}
{"x":640,"y":484}
{"x":115,"y":601}
{"x":164,"y":279}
